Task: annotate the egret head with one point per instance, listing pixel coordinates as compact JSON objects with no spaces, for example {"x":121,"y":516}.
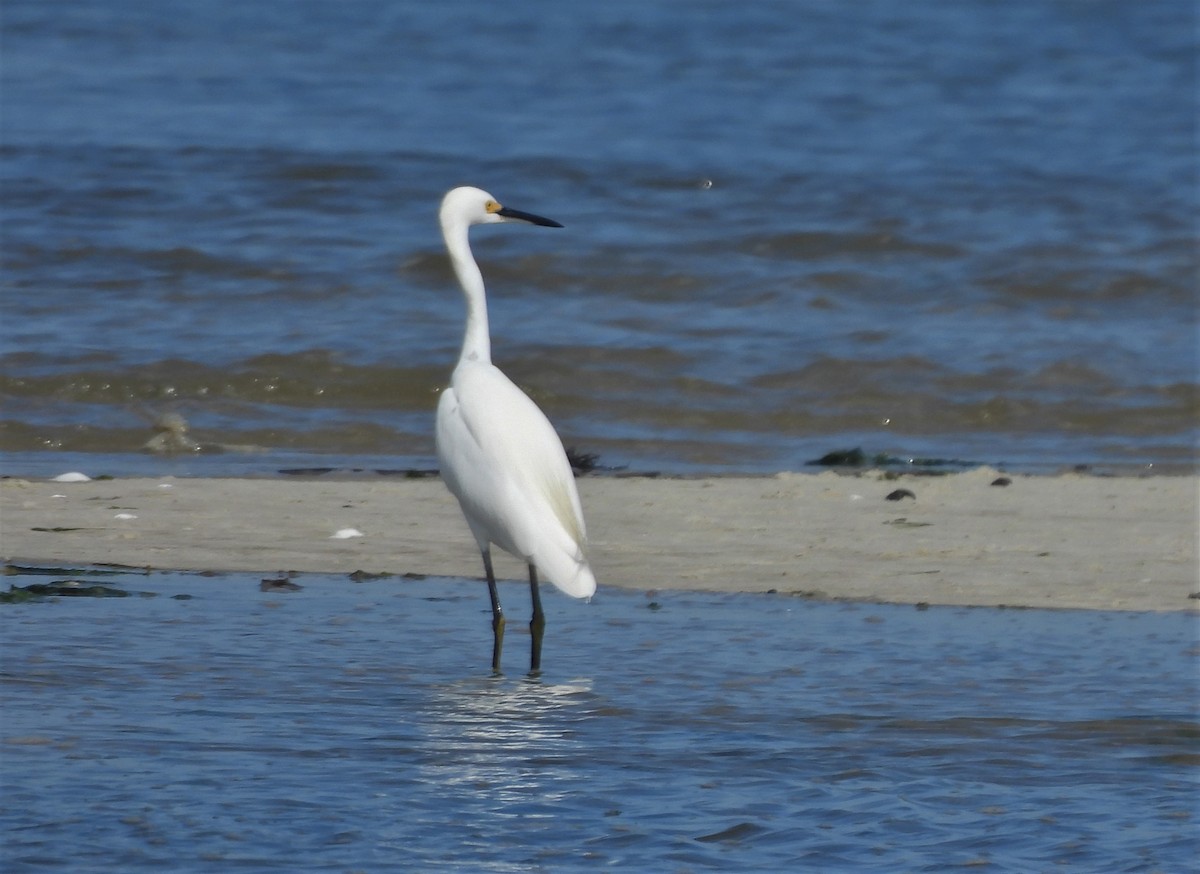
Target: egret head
{"x":473,"y":206}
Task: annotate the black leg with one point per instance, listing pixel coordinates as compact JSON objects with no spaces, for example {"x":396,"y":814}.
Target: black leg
{"x":497,"y":612}
{"x":537,"y":625}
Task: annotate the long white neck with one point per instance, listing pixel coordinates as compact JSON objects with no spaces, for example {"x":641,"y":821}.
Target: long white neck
{"x":477,"y":345}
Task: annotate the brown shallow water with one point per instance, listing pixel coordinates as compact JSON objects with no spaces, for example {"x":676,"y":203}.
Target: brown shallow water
{"x":354,"y":726}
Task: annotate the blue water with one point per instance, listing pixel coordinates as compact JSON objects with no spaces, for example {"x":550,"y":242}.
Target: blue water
{"x":942,"y":230}
{"x":356,"y":727}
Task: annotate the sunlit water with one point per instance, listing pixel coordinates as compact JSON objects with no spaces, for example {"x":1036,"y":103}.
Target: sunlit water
{"x":355,"y":727}
{"x":941,"y":230}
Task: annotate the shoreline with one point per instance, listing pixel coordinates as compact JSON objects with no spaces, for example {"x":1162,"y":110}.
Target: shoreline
{"x":1071,"y":541}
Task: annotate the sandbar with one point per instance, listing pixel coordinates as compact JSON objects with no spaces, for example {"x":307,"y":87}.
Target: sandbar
{"x":1072,"y":541}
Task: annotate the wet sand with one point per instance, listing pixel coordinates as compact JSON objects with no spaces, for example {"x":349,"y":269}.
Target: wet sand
{"x":1071,"y":541}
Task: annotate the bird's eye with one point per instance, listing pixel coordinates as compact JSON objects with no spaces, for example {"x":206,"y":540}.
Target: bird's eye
{"x":492,"y":206}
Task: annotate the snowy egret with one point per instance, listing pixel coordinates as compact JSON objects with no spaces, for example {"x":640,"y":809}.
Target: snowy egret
{"x":499,"y":454}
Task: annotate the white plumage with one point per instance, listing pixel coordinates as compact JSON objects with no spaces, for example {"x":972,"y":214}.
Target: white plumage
{"x":499,"y":454}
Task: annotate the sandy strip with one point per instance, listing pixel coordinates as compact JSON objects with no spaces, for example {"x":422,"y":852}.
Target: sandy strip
{"x":1073,"y":541}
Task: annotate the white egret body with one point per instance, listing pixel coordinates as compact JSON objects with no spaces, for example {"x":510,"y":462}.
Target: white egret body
{"x":499,"y":454}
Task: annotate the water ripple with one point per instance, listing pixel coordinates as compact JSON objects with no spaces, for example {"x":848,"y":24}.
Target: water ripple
{"x":355,"y":726}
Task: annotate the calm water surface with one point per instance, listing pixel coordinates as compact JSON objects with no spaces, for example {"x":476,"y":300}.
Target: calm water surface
{"x":948,"y":230}
{"x":355,"y":727}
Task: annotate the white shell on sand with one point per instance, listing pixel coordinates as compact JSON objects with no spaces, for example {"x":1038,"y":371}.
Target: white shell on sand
{"x":72,"y":477}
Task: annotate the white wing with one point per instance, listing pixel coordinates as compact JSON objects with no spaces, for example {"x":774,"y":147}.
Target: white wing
{"x":502,"y":459}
